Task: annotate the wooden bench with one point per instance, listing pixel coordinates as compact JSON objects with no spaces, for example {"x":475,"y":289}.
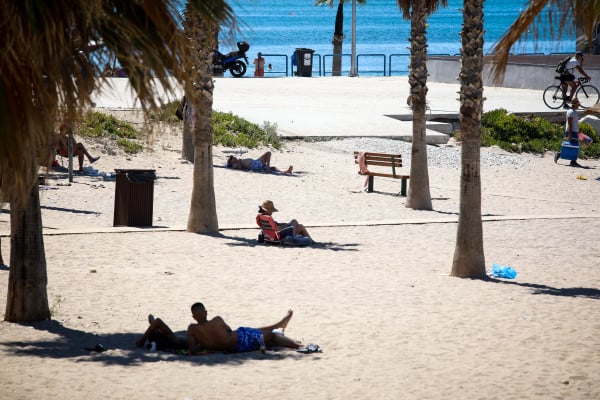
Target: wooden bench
{"x":383,"y":160}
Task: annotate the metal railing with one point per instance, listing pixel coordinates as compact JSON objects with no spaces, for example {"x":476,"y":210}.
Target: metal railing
{"x":331,"y":56}
{"x":270,"y":66}
{"x":393,"y":64}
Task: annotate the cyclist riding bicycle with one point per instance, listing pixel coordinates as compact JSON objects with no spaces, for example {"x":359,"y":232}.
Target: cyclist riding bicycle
{"x":568,"y":76}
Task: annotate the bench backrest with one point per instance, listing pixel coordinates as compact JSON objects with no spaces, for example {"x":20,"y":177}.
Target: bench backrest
{"x":268,"y":227}
{"x":381,"y":159}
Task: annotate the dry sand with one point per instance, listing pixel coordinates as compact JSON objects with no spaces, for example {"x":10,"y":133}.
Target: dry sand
{"x":374,"y":294}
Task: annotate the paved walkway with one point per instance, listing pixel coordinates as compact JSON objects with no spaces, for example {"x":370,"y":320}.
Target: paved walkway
{"x":339,"y":106}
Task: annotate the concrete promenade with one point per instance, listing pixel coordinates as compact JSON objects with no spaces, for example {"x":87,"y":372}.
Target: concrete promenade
{"x":339,"y":106}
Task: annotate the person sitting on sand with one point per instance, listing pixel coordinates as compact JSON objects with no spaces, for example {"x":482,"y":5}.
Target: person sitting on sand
{"x":261,"y":164}
{"x":216,"y":335}
{"x":60,"y":146}
{"x":268,"y":208}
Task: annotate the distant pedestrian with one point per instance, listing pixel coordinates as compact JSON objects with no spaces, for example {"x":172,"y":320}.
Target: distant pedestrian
{"x":571,"y":129}
{"x":259,"y":65}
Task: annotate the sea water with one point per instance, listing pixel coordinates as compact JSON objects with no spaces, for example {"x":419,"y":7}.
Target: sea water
{"x":277,"y":28}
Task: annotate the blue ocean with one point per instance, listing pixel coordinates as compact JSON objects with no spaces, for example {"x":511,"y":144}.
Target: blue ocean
{"x":277,"y":28}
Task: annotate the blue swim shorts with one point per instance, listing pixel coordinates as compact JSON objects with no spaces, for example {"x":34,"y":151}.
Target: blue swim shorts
{"x":248,"y":339}
{"x":257,"y":166}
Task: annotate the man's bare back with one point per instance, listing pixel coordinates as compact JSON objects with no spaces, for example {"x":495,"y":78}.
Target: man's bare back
{"x":211,"y":335}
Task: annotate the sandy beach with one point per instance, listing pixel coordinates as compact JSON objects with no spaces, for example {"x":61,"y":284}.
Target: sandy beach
{"x":374,"y":292}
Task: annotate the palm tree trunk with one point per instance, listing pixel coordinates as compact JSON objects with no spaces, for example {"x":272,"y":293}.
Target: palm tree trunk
{"x":187,"y":147}
{"x":338,"y":40}
{"x":27,"y":298}
{"x":469,"y":260}
{"x":203,"y":210}
{"x":419,"y":197}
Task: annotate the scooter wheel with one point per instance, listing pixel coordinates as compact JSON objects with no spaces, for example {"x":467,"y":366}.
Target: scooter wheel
{"x":238,"y":69}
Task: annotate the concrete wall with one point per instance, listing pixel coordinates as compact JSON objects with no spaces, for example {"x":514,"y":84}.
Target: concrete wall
{"x":522,"y":72}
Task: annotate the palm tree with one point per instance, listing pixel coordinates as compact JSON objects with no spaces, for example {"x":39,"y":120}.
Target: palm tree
{"x":45,"y":45}
{"x":418,"y":196}
{"x":187,"y":145}
{"x":203,"y":35}
{"x":338,"y":34}
{"x":469,"y":260}
{"x":562,"y":16}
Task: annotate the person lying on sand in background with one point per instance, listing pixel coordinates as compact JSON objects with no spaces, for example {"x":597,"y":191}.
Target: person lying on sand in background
{"x":216,"y":335}
{"x":268,"y":208}
{"x":261,"y":164}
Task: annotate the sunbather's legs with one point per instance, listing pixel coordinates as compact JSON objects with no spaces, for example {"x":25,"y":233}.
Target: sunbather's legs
{"x":281,"y":324}
{"x":156,"y":326}
{"x":299,"y":229}
{"x":80,"y":151}
{"x":266,"y":159}
{"x":275,"y":339}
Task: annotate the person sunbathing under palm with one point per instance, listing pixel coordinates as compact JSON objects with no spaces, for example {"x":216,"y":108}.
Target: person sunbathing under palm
{"x":261,"y":164}
{"x":216,"y":335}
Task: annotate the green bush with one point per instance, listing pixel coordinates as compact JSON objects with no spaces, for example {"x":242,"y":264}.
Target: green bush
{"x":99,"y":125}
{"x":228,"y":129}
{"x":233,"y":131}
{"x":166,"y":113}
{"x":532,"y":134}
{"x":103,"y":125}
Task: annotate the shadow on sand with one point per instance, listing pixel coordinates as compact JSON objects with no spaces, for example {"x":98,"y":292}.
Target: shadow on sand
{"x":120,"y":349}
{"x":589,"y":293}
{"x":242,"y":241}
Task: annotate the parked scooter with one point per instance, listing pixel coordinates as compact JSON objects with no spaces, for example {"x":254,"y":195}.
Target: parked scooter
{"x":231,"y":61}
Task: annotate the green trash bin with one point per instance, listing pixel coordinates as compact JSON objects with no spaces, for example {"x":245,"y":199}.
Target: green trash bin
{"x":134,"y":196}
{"x":304,"y":59}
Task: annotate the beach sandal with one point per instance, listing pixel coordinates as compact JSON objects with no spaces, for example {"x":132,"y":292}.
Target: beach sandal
{"x":311,"y":348}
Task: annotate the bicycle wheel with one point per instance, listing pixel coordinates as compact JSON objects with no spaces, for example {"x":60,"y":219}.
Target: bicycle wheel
{"x":588,"y":95}
{"x":553,"y":97}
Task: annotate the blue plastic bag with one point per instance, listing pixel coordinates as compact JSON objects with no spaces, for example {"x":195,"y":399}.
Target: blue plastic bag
{"x":501,"y":271}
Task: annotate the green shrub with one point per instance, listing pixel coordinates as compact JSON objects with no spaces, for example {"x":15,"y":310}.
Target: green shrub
{"x":103,"y":125}
{"x":99,"y":125}
{"x":530,"y":133}
{"x":229,"y":130}
{"x":166,"y":113}
{"x":129,"y":146}
{"x":233,"y":131}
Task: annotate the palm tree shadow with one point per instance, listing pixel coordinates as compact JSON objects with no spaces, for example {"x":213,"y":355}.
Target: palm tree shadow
{"x":243,"y":241}
{"x":70,"y":210}
{"x":119,"y":348}
{"x":583,"y":292}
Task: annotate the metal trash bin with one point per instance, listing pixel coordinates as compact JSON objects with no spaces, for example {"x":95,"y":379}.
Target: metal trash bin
{"x":134,"y":196}
{"x":304,"y":58}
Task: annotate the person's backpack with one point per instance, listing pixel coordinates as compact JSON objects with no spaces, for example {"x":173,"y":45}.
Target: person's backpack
{"x":562,"y":65}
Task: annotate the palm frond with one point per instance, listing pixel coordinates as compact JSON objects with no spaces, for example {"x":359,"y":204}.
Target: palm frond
{"x":430,"y":5}
{"x":46,"y":73}
{"x":561,"y":16}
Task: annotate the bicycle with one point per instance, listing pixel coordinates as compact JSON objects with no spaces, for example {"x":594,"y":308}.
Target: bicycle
{"x":588,"y":95}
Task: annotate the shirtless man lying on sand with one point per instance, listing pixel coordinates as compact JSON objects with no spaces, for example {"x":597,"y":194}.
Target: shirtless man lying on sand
{"x":261,"y":164}
{"x":216,"y":335}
